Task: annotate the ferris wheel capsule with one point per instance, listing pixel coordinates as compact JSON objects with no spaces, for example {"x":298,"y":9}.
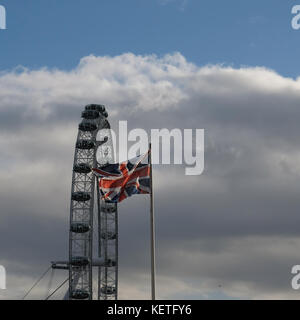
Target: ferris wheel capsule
{"x":87,"y":126}
{"x":105,"y":114}
{"x":82,"y":168}
{"x":85,"y":144}
{"x":108,"y":290}
{"x":79,"y":261}
{"x":78,"y":227}
{"x":81,"y":196}
{"x":90,"y":114}
{"x":110,"y":235}
{"x":97,"y":107}
{"x":109,"y":209}
{"x":80,"y":294}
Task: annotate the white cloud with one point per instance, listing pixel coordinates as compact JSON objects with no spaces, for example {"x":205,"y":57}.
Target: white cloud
{"x":245,"y":202}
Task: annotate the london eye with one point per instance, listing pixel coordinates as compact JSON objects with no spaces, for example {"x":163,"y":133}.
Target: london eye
{"x":93,"y":233}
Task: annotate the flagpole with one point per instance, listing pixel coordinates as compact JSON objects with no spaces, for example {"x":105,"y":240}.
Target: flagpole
{"x":152,"y":226}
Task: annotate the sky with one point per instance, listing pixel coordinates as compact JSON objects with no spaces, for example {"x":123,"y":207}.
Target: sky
{"x":229,"y":68}
{"x":58,"y":33}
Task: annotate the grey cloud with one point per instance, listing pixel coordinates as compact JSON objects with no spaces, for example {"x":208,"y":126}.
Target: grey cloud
{"x":219,"y":227}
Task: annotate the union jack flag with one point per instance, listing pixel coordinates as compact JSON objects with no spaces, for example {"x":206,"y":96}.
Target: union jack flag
{"x":121,"y":180}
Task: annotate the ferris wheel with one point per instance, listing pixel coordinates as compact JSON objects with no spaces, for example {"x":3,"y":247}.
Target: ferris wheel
{"x":93,"y":235}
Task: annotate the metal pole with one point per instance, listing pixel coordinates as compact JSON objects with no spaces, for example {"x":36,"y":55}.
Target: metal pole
{"x":152,"y":226}
{"x":99,"y":236}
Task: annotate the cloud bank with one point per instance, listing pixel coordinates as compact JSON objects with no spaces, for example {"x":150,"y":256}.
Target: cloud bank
{"x":232,"y":232}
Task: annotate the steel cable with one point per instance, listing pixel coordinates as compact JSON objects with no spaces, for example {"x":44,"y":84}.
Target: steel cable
{"x":39,"y":279}
{"x":57,"y":289}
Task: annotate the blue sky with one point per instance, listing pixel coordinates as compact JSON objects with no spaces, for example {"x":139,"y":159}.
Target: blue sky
{"x":57,"y":33}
